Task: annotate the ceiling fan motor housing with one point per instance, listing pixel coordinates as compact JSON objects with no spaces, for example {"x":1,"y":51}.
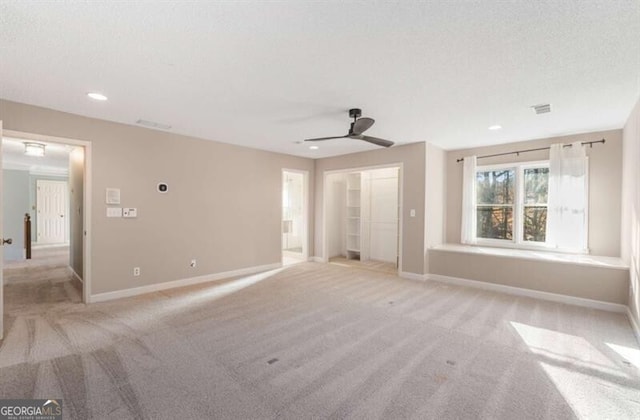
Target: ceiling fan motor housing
{"x":355,"y":112}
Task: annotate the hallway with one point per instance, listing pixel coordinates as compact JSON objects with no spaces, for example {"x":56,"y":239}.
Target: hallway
{"x":37,"y":283}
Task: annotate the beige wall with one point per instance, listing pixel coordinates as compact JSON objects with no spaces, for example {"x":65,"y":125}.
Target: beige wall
{"x":605,"y":177}
{"x":603,"y":284}
{"x":412,"y":157}
{"x":76,"y":209}
{"x":435,"y":182}
{"x":223,"y":207}
{"x":630,"y":233}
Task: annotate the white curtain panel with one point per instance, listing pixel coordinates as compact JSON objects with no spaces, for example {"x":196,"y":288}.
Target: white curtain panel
{"x":567,"y":205}
{"x":468,"y":231}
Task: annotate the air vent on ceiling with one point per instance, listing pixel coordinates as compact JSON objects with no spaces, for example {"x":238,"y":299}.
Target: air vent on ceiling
{"x":152,"y":124}
{"x":542,"y":108}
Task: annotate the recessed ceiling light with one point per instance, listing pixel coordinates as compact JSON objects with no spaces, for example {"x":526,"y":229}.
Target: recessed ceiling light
{"x":495,"y":127}
{"x":97,"y":96}
{"x":314,"y":147}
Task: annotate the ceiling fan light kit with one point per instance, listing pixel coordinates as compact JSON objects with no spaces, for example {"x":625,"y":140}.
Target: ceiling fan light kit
{"x":358,"y":126}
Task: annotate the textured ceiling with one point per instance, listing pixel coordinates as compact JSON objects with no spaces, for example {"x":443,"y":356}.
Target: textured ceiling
{"x":268,"y":74}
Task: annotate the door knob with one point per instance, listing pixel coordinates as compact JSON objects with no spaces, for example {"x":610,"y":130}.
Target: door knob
{"x":7,"y":241}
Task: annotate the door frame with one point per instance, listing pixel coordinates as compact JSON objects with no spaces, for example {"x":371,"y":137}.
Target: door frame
{"x":67,"y":226}
{"x":325,"y":246}
{"x":88,"y":194}
{"x":305,"y":211}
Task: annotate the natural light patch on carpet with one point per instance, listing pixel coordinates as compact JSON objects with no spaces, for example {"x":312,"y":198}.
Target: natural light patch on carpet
{"x":630,"y":355}
{"x":582,"y":374}
{"x":563,"y":347}
{"x":217,"y":291}
{"x":587,"y":395}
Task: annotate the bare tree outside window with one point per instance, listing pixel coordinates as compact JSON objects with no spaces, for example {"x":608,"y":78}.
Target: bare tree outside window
{"x":536,"y":186}
{"x":511,"y":203}
{"x":495,"y":199}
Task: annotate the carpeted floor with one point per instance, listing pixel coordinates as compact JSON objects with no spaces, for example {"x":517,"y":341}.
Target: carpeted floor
{"x":46,"y":265}
{"x":321,"y":341}
{"x":373,"y":265}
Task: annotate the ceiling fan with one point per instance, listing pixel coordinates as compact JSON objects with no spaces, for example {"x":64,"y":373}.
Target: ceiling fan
{"x":358,"y":126}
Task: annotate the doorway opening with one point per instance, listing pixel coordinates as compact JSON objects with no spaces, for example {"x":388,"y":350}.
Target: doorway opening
{"x":362,"y":225}
{"x":294,"y":216}
{"x":45,"y":199}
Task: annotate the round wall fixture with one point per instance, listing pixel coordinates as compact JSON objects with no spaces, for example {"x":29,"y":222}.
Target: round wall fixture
{"x":163,"y":187}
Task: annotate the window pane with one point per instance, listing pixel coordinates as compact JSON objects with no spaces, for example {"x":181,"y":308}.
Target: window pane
{"x":535,"y":223}
{"x":495,"y":222}
{"x":536,"y":185}
{"x":495,"y":187}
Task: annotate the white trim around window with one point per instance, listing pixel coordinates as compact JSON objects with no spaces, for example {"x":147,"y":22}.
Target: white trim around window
{"x":519,"y":205}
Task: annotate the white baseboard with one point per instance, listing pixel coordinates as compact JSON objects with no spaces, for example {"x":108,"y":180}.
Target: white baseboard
{"x":74,"y":274}
{"x":118,"y":294}
{"x":518,"y":291}
{"x":35,"y":245}
{"x":317,"y":259}
{"x":413,"y":276}
{"x":634,"y":324}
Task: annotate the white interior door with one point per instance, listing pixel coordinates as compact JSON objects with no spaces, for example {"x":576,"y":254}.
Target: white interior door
{"x":384,"y":215}
{"x":51,"y":205}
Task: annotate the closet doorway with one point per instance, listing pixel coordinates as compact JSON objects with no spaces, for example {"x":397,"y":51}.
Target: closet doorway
{"x":294,"y":216}
{"x":363,"y":218}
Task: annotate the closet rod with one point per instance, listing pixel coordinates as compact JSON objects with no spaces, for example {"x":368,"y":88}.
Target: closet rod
{"x":590,"y":143}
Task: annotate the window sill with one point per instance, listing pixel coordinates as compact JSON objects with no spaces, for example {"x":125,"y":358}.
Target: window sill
{"x":579,"y":259}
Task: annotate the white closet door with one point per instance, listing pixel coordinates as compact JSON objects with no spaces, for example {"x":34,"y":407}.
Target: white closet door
{"x":384,"y":219}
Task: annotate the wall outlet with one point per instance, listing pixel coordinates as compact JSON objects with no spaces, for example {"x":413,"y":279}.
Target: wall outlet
{"x":136,"y":271}
{"x":192,"y":264}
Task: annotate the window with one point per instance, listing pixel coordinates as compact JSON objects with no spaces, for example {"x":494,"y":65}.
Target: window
{"x":511,"y":203}
{"x":534,"y":215}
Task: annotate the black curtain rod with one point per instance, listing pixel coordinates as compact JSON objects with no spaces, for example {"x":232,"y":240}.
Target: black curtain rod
{"x":590,"y":143}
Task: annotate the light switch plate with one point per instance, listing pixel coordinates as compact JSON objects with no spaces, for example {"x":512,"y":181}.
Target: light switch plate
{"x":114,"y":211}
{"x":130,"y":212}
{"x":412,"y":213}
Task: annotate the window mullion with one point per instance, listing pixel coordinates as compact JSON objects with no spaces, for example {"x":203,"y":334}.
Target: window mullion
{"x":518,"y":211}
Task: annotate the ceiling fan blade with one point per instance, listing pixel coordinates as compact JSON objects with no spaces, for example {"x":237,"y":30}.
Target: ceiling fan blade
{"x":377,"y":141}
{"x":363,"y":124}
{"x":325,"y":138}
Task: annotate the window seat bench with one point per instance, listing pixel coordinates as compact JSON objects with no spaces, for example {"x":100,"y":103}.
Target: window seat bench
{"x":583,"y":277}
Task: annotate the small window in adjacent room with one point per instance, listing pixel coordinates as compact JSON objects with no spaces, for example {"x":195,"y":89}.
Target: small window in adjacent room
{"x":511,"y":204}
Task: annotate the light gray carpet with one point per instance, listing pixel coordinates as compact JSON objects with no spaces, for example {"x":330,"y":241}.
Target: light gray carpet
{"x":320,"y":341}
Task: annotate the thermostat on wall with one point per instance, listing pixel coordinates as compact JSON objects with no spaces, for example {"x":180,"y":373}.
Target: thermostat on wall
{"x":163,"y":187}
